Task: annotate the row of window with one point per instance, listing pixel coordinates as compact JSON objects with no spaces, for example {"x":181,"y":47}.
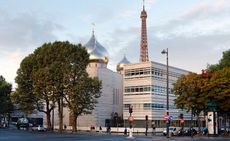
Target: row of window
{"x":148,"y":106}
{"x":137,"y":71}
{"x":147,"y":88}
{"x":148,"y":70}
{"x":132,"y":94}
{"x":158,"y":94}
{"x":162,"y":79}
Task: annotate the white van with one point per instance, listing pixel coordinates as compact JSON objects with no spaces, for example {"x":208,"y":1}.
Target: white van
{"x":172,"y":130}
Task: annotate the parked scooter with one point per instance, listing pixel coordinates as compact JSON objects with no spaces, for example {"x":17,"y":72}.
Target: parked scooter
{"x":181,"y":132}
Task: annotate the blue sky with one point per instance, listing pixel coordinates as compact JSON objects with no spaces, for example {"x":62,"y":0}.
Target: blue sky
{"x":196,"y":32}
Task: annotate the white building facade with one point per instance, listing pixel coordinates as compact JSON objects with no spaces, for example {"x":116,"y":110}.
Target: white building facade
{"x":144,"y":86}
{"x":110,"y":101}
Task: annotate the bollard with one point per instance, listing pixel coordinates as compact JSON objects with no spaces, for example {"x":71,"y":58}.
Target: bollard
{"x":130,"y":133}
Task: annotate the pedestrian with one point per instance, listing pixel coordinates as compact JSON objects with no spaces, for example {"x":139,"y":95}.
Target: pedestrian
{"x":109,"y":130}
{"x":17,"y":124}
{"x":125,"y":131}
{"x":100,"y":129}
{"x":65,"y":127}
{"x":153,"y":127}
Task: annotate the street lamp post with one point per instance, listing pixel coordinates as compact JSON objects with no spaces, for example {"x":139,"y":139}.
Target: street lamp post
{"x":167,"y":89}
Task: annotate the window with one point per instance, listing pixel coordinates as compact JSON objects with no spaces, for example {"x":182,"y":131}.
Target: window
{"x":126,"y":106}
{"x":147,"y":106}
{"x":137,"y":89}
{"x":157,"y":106}
{"x":137,"y":72}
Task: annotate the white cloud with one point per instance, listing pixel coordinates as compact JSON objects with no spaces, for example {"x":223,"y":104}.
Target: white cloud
{"x":25,"y":30}
{"x":20,"y":35}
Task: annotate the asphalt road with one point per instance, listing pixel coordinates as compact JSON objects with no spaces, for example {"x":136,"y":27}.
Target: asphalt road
{"x":16,"y":135}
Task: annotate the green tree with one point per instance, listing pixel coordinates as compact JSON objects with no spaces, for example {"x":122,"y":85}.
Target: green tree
{"x":50,"y":74}
{"x":81,"y":97}
{"x":5,"y":101}
{"x":219,"y":88}
{"x":212,"y":85}
{"x":31,"y":94}
{"x":219,"y":84}
{"x":80,"y":90}
{"x":224,"y":62}
{"x":23,"y":96}
{"x":189,"y":93}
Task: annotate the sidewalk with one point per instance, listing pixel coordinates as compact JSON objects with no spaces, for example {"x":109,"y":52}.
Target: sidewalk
{"x":121,"y":136}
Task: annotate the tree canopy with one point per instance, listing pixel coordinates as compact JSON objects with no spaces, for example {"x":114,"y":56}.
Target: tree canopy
{"x":81,"y":97}
{"x":5,"y":101}
{"x":218,"y":89}
{"x":23,"y":95}
{"x":53,"y":72}
{"x":223,"y":63}
{"x":199,"y":89}
{"x":188,"y":90}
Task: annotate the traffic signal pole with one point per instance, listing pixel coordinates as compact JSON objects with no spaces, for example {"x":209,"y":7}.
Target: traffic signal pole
{"x":146,"y":125}
{"x":130,"y":122}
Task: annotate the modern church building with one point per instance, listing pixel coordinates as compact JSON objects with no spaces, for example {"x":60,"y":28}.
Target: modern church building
{"x":110,"y":102}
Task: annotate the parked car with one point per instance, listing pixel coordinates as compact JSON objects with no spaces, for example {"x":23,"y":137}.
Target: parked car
{"x":172,"y":130}
{"x":39,"y":128}
{"x":22,"y":123}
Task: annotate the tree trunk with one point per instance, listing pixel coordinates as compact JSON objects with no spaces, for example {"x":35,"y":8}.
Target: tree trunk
{"x":60,"y":115}
{"x":8,"y":118}
{"x":48,"y":120}
{"x":74,"y":126}
{"x":48,"y":115}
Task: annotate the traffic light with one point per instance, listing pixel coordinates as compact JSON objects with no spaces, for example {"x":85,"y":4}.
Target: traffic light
{"x":146,"y":117}
{"x":130,"y":109}
{"x":181,"y":116}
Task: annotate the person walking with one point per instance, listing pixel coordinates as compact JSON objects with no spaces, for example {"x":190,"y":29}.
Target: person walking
{"x":100,"y":129}
{"x":108,"y":129}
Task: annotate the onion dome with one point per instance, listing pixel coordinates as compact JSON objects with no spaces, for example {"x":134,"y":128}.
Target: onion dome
{"x":96,"y":51}
{"x":120,"y":65}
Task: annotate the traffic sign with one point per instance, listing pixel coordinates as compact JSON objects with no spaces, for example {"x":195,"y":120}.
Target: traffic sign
{"x":170,"y":118}
{"x":166,"y":117}
{"x":131,"y":118}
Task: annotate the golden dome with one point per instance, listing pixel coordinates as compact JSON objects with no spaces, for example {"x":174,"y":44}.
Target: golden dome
{"x":120,"y":65}
{"x":96,"y":51}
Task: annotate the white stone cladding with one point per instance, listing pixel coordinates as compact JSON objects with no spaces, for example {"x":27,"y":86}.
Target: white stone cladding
{"x":111,"y":97}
